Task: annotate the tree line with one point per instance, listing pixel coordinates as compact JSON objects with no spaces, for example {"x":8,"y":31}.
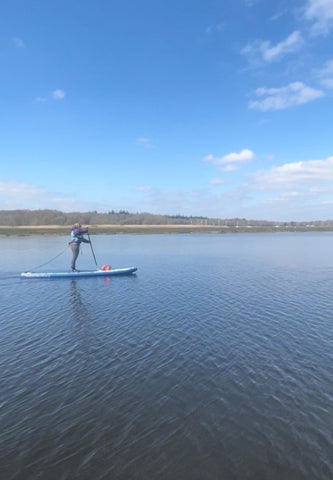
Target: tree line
{"x":17,"y":218}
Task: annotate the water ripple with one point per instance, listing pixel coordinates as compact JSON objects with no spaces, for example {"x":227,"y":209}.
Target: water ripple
{"x":214,"y":364}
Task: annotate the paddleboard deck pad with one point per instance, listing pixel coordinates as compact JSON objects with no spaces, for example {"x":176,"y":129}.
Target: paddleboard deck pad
{"x":86,"y":273}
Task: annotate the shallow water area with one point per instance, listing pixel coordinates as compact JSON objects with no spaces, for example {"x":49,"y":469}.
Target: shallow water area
{"x":213,"y":361}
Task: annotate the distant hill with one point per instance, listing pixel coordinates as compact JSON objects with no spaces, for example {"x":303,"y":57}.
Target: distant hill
{"x":16,"y":218}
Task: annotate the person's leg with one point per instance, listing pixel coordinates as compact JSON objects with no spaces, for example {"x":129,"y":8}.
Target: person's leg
{"x":75,"y":251}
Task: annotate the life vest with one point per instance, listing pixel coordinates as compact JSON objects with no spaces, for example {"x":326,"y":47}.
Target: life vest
{"x":76,"y":238}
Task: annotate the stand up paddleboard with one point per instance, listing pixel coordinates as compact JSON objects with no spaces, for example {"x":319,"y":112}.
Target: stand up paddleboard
{"x":87,"y":273}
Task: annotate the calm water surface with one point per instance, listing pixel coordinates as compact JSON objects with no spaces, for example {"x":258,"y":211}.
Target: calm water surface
{"x":214,"y":362}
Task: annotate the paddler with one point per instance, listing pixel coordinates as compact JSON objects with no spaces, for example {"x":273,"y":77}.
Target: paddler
{"x":76,"y":239}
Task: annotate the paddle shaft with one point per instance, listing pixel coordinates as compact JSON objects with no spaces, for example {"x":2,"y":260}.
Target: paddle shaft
{"x":92,"y":250}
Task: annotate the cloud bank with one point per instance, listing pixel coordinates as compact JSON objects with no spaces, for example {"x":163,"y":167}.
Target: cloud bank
{"x":295,"y":174}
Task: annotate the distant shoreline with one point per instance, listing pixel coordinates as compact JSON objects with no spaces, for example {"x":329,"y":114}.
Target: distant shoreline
{"x":47,"y":230}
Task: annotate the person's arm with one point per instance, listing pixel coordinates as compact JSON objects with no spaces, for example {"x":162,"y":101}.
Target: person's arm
{"x":80,"y":231}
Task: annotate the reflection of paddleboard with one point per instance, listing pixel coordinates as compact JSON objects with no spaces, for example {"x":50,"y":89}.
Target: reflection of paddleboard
{"x":87,"y":273}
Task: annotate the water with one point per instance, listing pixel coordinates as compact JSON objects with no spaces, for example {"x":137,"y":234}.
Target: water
{"x":213,"y":362}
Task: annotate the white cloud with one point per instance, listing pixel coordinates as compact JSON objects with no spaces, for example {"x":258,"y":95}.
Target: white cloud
{"x":326,"y":75}
{"x":144,"y":142}
{"x":278,"y":15}
{"x":219,"y":181}
{"x":16,"y":195}
{"x":290,"y":45}
{"x":243,"y":156}
{"x":24,"y":190}
{"x":144,"y":188}
{"x":230,"y":168}
{"x":17,"y":42}
{"x":290,"y":175}
{"x":269,"y":53}
{"x":285,"y":198}
{"x":327,"y":82}
{"x":322,"y":189}
{"x":58,"y":94}
{"x":296,"y":93}
{"x":215,"y":27}
{"x":320,"y":12}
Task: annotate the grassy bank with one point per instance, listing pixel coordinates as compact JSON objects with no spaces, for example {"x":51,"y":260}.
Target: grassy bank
{"x":23,"y":231}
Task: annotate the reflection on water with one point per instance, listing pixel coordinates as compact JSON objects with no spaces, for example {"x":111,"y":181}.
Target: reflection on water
{"x":215,"y":361}
{"x":74,"y":295}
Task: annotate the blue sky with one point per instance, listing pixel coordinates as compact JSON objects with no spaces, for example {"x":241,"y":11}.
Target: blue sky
{"x":193,"y":107}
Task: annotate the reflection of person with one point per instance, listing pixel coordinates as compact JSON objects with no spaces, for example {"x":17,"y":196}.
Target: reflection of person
{"x":76,"y":239}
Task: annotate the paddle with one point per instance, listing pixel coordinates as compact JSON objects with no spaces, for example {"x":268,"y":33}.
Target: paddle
{"x":92,"y":250}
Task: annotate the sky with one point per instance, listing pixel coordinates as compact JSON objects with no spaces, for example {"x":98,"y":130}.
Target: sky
{"x":216,"y":108}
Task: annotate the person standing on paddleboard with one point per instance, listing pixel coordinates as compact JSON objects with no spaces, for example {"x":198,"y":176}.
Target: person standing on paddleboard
{"x":76,"y":239}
